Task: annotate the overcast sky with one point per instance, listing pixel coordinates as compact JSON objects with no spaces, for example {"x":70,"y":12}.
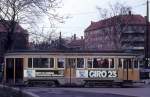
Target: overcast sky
{"x":82,"y":12}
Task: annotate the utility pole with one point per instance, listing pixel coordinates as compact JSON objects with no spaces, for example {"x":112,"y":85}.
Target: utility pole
{"x":147,"y":36}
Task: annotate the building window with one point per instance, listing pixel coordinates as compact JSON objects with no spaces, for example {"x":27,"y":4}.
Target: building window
{"x":80,"y":62}
{"x":40,"y":63}
{"x":60,"y":62}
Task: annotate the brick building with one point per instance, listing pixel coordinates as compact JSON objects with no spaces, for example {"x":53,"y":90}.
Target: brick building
{"x":124,"y":32}
{"x":19,"y":37}
{"x":76,"y":43}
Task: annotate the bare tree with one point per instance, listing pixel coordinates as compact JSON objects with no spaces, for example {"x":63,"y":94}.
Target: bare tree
{"x":13,"y":12}
{"x":116,"y":21}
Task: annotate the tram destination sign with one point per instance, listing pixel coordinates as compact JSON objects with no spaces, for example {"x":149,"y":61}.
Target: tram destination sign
{"x":96,"y":74}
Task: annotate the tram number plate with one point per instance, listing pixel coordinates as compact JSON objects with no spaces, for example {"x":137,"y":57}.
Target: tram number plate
{"x":102,"y":74}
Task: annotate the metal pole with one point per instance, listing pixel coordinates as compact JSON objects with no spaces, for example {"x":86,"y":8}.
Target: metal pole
{"x":128,"y":68}
{"x":70,"y":71}
{"x":146,"y":36}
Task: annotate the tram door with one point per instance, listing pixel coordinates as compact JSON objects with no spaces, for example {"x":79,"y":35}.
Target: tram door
{"x":9,"y":70}
{"x":70,"y":69}
{"x":128,"y":69}
{"x":14,"y":70}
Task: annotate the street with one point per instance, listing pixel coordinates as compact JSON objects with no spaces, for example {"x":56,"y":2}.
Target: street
{"x":89,"y":92}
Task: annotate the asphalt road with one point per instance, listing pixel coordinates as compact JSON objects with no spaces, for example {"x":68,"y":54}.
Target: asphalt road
{"x":62,"y":92}
{"x":72,"y":92}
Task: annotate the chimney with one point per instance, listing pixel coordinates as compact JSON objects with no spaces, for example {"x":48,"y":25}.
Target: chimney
{"x":74,"y":37}
{"x":130,"y":13}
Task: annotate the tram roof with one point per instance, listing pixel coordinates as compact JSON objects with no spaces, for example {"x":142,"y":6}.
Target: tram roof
{"x":114,"y":52}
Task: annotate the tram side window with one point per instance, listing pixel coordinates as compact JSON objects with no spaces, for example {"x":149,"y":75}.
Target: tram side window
{"x":127,"y":63}
{"x":89,"y":63}
{"x":10,"y":62}
{"x":60,"y":62}
{"x":100,"y":63}
{"x":111,"y":63}
{"x":80,"y":62}
{"x":135,"y":63}
{"x":51,"y":63}
{"x":29,"y":62}
{"x":105,"y":63}
{"x":130,"y":63}
{"x":120,"y":63}
{"x":95,"y":63}
{"x":40,"y":63}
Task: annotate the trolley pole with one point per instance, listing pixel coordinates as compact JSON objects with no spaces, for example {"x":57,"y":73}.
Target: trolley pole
{"x":147,"y":36}
{"x":60,"y":42}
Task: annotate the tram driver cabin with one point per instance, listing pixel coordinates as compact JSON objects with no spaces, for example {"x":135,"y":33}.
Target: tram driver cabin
{"x":71,"y":67}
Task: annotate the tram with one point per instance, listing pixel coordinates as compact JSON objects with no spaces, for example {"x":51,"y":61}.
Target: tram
{"x":71,"y":67}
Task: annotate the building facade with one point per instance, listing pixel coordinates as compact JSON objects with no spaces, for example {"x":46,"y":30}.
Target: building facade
{"x":126,"y":32}
{"x":76,"y":43}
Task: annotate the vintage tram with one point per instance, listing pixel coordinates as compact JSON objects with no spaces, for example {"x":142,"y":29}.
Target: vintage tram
{"x":71,"y":67}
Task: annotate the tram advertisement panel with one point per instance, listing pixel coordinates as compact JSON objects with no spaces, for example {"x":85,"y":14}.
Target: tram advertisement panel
{"x":49,"y":73}
{"x":96,"y":74}
{"x":29,"y":73}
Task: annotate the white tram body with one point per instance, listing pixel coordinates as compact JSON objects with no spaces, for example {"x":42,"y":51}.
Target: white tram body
{"x":71,"y":67}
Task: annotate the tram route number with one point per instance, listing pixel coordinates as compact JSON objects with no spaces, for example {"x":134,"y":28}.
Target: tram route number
{"x":102,"y":74}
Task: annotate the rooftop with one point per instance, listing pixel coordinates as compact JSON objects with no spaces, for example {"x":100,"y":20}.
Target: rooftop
{"x":124,"y":19}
